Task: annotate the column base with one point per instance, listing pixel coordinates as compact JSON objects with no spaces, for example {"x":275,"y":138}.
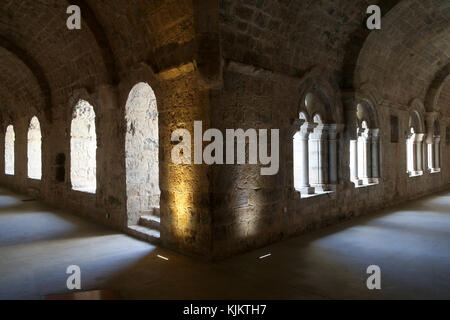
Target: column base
{"x":367,"y":180}
{"x":306,"y":190}
{"x":415,"y":173}
{"x":318,"y":188}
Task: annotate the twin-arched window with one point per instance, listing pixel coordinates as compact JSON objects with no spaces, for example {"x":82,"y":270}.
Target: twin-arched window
{"x":34,"y":158}
{"x":365,"y":148}
{"x":314,"y":149}
{"x":414,"y":145}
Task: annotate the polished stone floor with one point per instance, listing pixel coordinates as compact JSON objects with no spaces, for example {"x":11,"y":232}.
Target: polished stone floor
{"x":410,"y":243}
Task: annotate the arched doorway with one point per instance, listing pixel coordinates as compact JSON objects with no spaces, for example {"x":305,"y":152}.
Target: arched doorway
{"x":142,"y":160}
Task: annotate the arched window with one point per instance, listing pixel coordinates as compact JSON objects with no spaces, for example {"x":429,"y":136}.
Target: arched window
{"x":34,"y":150}
{"x":142,"y":154}
{"x":414,"y":145}
{"x":314,"y":149}
{"x":83,"y":148}
{"x":9,"y":150}
{"x":364,"y":150}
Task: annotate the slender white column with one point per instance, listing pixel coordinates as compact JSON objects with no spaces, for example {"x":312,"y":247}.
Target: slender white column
{"x":301,"y":159}
{"x":375,"y":155}
{"x":318,"y":162}
{"x":332,"y":147}
{"x":410,"y":154}
{"x":364,"y":161}
{"x":419,"y":153}
{"x":430,"y":119}
{"x":360,"y":154}
{"x":437,"y":154}
{"x":354,"y":162}
{"x":430,"y":156}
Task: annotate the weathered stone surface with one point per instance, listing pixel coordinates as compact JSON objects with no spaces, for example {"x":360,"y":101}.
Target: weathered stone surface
{"x":142,"y":69}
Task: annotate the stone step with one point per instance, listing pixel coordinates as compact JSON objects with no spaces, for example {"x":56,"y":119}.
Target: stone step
{"x":150,"y":235}
{"x":152,"y":222}
{"x":152,"y":212}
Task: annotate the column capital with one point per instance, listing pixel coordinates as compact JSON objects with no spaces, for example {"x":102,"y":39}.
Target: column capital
{"x":419,"y":137}
{"x":375,"y":132}
{"x":334,"y":129}
{"x":364,"y":133}
{"x":320,"y":132}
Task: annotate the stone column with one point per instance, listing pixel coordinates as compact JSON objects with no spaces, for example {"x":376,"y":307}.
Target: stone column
{"x":364,"y":161}
{"x":354,"y":162}
{"x":301,"y":159}
{"x":430,"y":157}
{"x":318,"y":163}
{"x":332,"y":148}
{"x":437,"y":153}
{"x":410,"y":153}
{"x":418,"y":148}
{"x":375,"y":147}
{"x":430,"y":119}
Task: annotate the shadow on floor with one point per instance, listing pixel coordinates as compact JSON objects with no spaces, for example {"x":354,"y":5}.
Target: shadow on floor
{"x":410,"y":243}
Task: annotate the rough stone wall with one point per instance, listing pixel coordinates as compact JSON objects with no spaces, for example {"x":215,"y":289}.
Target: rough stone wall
{"x":47,"y":69}
{"x":231,"y":64}
{"x":250,"y":210}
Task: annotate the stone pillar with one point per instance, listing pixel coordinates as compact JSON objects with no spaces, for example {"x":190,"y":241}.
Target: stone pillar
{"x":354,"y":162}
{"x":410,"y":153}
{"x":437,"y":153}
{"x":301,"y":159}
{"x":333,"y":131}
{"x":430,"y":119}
{"x":318,"y":163}
{"x":418,"y":148}
{"x":375,"y":147}
{"x":364,"y":162}
{"x":430,"y":157}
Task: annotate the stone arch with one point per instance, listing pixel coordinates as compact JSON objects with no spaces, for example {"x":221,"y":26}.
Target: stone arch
{"x":356,"y":43}
{"x":10,"y":138}
{"x":36,"y":70}
{"x":315,"y":151}
{"x":327,"y":98}
{"x":435,"y":89}
{"x":366,"y":111}
{"x":34,"y":149}
{"x":100,"y":37}
{"x":142,"y":152}
{"x":414,"y":139}
{"x":83,"y":148}
{"x":416,"y":116}
{"x":365,"y":146}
